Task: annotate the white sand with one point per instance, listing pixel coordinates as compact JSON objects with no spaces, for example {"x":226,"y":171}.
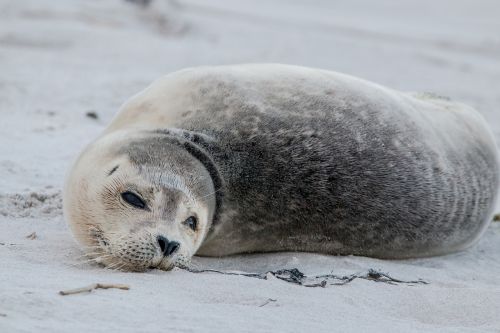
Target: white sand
{"x":60,"y":59}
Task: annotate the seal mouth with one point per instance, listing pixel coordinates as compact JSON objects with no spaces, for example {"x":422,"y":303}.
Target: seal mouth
{"x":162,"y":264}
{"x":181,"y":262}
{"x":163,"y":267}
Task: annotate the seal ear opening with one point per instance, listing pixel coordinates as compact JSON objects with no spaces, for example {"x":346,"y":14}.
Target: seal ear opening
{"x":113,"y":170}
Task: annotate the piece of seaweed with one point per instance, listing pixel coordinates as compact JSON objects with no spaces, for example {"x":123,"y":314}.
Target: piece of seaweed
{"x":295,"y":276}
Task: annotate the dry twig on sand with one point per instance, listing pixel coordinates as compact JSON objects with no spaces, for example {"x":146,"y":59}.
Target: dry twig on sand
{"x":92,"y":287}
{"x":269,"y":300}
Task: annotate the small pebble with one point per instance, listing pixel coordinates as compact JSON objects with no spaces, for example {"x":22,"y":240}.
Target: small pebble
{"x":92,"y":114}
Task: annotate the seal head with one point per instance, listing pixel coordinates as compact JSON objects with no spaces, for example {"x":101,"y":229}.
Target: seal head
{"x":139,"y":201}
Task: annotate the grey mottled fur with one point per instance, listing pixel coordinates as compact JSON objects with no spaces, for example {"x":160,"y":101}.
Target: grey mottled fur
{"x":323,"y":166}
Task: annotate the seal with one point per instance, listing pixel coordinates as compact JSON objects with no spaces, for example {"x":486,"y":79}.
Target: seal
{"x":223,"y":160}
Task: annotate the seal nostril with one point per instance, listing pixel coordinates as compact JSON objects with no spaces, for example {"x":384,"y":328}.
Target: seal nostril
{"x":167,"y":248}
{"x":163,"y":242}
{"x":172,"y":248}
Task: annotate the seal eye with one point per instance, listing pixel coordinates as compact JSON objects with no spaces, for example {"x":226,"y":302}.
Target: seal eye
{"x":191,"y":222}
{"x":133,"y":200}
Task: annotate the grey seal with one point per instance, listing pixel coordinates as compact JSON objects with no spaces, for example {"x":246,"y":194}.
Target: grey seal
{"x":223,"y":160}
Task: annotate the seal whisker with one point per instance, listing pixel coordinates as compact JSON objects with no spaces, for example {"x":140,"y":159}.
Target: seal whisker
{"x":90,"y":254}
{"x":210,"y":194}
{"x":88,"y":260}
{"x":114,"y":266}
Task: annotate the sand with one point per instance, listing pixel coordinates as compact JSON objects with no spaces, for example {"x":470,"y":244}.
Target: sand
{"x":60,"y":60}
